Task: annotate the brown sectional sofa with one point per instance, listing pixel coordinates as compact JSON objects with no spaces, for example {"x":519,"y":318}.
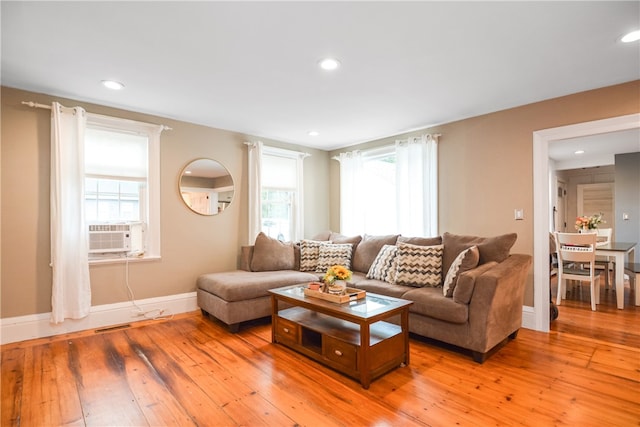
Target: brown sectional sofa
{"x":483,"y":309}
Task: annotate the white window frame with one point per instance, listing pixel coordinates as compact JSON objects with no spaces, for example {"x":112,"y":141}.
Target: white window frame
{"x":152,"y":249}
{"x":297,"y":228}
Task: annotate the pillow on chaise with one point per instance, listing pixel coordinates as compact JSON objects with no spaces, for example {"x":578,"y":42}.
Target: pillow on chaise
{"x":270,"y":254}
{"x":385,"y":265}
{"x":419,"y":266}
{"x":466,"y":260}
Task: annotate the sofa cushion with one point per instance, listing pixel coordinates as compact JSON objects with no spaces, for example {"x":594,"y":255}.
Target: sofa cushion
{"x":270,"y":254}
{"x":421,"y":241}
{"x":309,"y":253}
{"x":490,"y":248}
{"x":419,"y":265}
{"x":384,"y":266}
{"x":466,"y":260}
{"x":336,"y":254}
{"x":383,"y":288}
{"x":430,"y":302}
{"x":368,"y":249}
{"x":239,"y":285}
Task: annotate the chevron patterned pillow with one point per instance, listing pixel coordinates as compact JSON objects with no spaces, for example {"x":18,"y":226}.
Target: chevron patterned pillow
{"x":467,"y":260}
{"x":385,"y":265}
{"x":309,"y":253}
{"x":419,"y":266}
{"x":334,"y":254}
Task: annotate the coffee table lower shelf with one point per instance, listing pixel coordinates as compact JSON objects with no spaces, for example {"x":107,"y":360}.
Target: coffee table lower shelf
{"x":338,"y":344}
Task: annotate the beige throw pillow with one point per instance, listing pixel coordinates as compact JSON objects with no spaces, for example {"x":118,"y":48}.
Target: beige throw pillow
{"x":467,"y":260}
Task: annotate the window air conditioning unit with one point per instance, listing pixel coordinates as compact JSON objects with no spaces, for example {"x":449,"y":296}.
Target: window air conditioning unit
{"x":116,"y":238}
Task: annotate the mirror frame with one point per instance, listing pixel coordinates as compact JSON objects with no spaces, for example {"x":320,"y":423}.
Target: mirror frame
{"x":181,"y":187}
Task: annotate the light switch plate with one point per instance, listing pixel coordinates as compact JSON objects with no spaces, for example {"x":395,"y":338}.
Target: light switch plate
{"x":519,"y":214}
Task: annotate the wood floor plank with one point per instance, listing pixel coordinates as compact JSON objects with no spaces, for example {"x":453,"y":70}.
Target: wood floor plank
{"x":104,"y":392}
{"x":196,"y":402}
{"x":242,"y":404}
{"x":12,"y":379}
{"x":151,"y":393}
{"x":238,"y":371}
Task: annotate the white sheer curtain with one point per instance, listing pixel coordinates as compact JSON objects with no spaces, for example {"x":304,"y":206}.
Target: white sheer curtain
{"x":71,"y":287}
{"x":298,"y":203}
{"x":254,"y":186}
{"x":352,"y":216}
{"x":417,"y":186}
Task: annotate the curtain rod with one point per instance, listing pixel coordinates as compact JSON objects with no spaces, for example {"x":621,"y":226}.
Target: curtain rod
{"x":48,"y":107}
{"x":276,"y":149}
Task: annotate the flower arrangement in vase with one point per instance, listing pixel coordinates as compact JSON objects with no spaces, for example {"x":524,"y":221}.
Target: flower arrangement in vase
{"x":336,"y":278}
{"x":588,"y":222}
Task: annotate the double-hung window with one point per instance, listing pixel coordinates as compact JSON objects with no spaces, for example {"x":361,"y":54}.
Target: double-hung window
{"x":281,"y":195}
{"x":122,"y":179}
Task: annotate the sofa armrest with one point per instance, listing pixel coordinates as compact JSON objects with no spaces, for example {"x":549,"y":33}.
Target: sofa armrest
{"x":467,"y":280}
{"x":246,"y":253}
{"x":495,"y":309}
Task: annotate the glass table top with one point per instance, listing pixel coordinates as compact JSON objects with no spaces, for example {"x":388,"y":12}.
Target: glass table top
{"x":370,"y":305}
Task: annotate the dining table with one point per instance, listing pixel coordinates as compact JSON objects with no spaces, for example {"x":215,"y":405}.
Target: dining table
{"x":618,"y":251}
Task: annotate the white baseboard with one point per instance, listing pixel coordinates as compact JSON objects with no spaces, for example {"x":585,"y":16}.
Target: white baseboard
{"x":528,"y":317}
{"x":14,"y":329}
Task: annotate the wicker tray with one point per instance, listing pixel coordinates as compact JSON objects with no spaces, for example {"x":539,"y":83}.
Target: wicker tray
{"x":352,"y":294}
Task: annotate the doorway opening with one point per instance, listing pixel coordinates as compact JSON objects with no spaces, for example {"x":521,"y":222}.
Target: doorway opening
{"x":538,"y":317}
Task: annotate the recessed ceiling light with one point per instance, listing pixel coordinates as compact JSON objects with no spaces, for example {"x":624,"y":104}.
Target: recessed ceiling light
{"x":329,"y":64}
{"x":313,"y":133}
{"x":112,"y":84}
{"x":631,"y":37}
{"x":578,"y":152}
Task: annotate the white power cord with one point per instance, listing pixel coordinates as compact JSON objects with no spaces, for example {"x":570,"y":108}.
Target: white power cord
{"x":155,"y":314}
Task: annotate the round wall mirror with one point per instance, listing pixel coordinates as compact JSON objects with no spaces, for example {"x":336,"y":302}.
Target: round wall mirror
{"x":206,"y":187}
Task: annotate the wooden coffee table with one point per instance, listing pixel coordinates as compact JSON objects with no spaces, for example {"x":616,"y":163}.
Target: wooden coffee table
{"x":354,"y":337}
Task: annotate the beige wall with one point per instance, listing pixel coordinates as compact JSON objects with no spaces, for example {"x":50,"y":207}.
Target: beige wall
{"x":486,"y":162}
{"x":485,"y":168}
{"x":191,"y":244}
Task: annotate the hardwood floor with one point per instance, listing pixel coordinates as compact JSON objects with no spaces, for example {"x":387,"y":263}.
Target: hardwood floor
{"x":191,"y":371}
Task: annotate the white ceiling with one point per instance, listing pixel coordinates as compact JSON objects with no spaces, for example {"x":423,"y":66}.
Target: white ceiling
{"x":252,"y":66}
{"x":599,"y":150}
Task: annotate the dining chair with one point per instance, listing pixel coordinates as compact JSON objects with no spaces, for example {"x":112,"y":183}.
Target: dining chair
{"x":604,"y":263}
{"x":574,"y":251}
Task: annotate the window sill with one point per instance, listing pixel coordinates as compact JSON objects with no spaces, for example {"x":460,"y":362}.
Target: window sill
{"x":122,"y":260}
